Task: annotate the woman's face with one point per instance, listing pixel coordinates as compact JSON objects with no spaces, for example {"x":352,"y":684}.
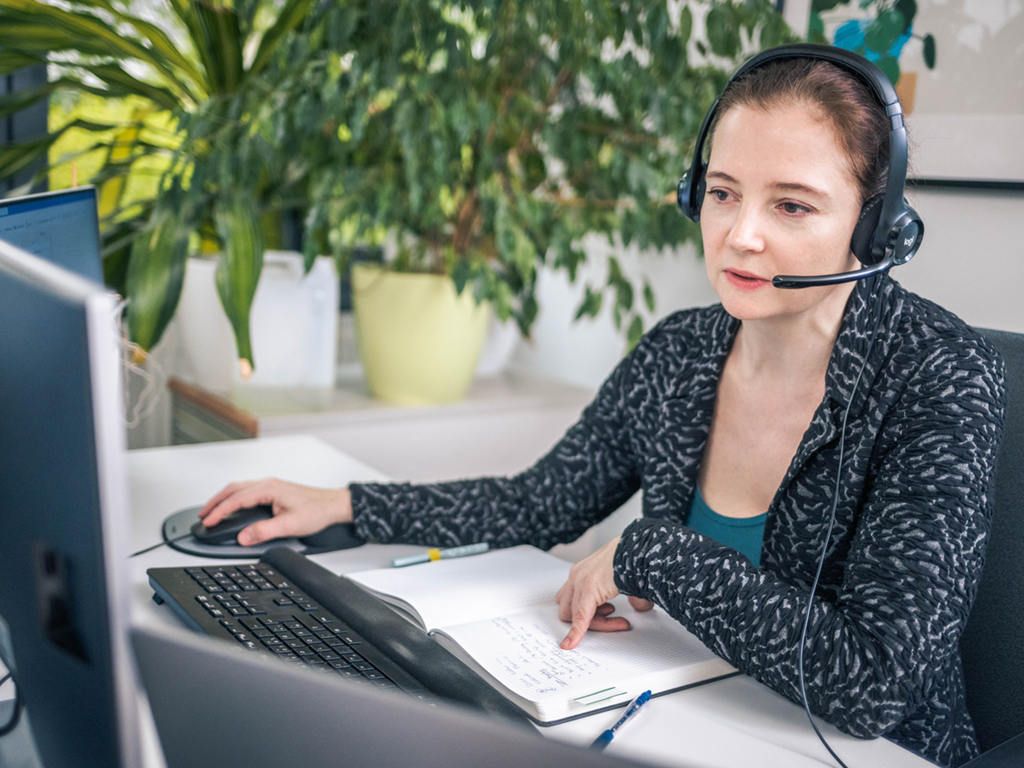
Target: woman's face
{"x":780,"y":200}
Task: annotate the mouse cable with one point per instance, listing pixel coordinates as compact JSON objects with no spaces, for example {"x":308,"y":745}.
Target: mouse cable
{"x":12,"y":723}
{"x":165,"y":541}
{"x":828,"y":538}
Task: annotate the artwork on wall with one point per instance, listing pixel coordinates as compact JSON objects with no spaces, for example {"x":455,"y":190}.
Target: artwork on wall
{"x":959,"y":70}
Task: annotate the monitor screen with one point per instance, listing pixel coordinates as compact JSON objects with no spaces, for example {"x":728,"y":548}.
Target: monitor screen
{"x":63,"y":514}
{"x":61,"y":227}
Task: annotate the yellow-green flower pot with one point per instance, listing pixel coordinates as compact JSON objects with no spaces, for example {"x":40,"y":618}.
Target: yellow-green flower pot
{"x":419,"y":340}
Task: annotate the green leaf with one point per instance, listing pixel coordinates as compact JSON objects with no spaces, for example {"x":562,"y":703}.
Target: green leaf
{"x":156,"y":272}
{"x":890,"y":67}
{"x":648,"y":296}
{"x":883,"y":31}
{"x":12,"y":61}
{"x":723,"y":31}
{"x":591,"y":303}
{"x":122,"y":84}
{"x":929,"y":51}
{"x":908,"y":9}
{"x":15,"y":158}
{"x":291,"y":16}
{"x":685,"y":24}
{"x":635,"y":332}
{"x":238,"y":271}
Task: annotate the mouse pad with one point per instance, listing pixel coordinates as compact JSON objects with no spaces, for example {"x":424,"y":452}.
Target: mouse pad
{"x":180,"y":523}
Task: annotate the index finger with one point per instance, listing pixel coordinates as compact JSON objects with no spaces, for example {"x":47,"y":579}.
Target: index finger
{"x":242,"y":496}
{"x":222,"y":494}
{"x":581,"y":616}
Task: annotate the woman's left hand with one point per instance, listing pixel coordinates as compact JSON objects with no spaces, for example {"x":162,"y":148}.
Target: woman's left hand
{"x":583,"y":599}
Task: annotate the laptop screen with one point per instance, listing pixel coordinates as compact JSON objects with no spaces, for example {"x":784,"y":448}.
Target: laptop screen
{"x":61,"y":227}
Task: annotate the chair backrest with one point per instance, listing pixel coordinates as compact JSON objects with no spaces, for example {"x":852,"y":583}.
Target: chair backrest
{"x":992,"y":645}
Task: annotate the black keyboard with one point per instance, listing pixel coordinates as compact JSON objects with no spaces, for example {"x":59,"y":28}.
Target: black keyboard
{"x":257,"y":608}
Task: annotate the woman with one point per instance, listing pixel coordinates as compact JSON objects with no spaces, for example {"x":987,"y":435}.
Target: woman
{"x":731,"y":417}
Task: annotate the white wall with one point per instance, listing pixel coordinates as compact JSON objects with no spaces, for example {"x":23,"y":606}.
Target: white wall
{"x":971,"y":262}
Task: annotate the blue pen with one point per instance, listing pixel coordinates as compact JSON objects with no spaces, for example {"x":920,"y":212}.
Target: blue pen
{"x":605,"y":738}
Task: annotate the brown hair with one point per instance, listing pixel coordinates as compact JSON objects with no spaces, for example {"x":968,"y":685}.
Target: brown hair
{"x":841,"y":99}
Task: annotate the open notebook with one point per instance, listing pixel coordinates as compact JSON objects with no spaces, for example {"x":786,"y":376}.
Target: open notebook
{"x":497,"y":613}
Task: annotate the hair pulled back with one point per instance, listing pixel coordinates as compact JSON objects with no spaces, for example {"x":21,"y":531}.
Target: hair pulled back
{"x":838,"y":97}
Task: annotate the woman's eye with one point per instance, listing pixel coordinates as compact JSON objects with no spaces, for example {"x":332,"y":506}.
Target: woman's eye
{"x":719,"y":194}
{"x":794,"y":208}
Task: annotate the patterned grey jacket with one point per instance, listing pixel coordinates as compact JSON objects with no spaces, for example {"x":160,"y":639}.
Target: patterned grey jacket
{"x":912,"y":521}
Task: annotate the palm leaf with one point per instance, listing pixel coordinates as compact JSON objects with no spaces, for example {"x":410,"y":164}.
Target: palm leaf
{"x":121,"y":84}
{"x":222,"y":38}
{"x":15,"y":158}
{"x":12,"y":61}
{"x":155,"y":275}
{"x":238,"y":271}
{"x":90,"y":32}
{"x":291,"y":16}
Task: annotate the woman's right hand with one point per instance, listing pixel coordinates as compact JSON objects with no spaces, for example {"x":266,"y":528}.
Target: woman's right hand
{"x":299,"y":510}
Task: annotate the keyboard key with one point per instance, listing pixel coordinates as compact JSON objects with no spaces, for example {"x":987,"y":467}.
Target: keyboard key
{"x":284,"y":601}
{"x":251,"y":623}
{"x":293,"y":624}
{"x":295,"y":643}
{"x":202,"y":600}
{"x":263,"y":633}
{"x":217,"y":613}
{"x":213,"y":589}
{"x":329,"y":656}
{"x":239,"y":611}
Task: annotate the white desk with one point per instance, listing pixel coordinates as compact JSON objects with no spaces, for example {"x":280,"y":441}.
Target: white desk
{"x":735,"y":722}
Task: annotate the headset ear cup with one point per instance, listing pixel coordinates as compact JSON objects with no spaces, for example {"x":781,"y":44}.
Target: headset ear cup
{"x":698,"y":199}
{"x":860,"y":242}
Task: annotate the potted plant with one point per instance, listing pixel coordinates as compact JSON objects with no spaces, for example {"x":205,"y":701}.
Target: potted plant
{"x":194,"y":84}
{"x":490,"y":138}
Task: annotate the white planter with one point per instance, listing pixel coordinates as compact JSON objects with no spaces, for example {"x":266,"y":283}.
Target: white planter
{"x":293,"y":325}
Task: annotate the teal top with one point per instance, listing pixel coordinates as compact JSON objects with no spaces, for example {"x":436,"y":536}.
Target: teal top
{"x":743,"y":534}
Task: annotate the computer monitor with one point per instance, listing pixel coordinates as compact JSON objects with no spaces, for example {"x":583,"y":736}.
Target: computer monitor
{"x":63,"y":514}
{"x":61,"y":227}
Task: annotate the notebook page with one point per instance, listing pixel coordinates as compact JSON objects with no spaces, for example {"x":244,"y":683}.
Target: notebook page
{"x":521,"y":652}
{"x":466,"y":589}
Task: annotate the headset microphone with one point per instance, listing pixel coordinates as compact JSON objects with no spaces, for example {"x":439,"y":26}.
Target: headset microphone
{"x":810,"y":281}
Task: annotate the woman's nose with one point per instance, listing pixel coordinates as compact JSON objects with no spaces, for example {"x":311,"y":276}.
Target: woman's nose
{"x":747,"y":231}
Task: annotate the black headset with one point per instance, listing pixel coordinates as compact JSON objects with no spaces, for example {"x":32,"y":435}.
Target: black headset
{"x":889,"y":231}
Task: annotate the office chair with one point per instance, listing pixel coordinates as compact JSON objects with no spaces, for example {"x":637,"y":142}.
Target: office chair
{"x":992,"y":645}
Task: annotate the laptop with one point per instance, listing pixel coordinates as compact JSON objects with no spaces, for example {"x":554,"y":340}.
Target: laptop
{"x":217,"y":705}
{"x":61,"y":227}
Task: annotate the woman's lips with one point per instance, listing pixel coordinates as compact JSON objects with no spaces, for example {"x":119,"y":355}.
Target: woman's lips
{"x":745,"y":280}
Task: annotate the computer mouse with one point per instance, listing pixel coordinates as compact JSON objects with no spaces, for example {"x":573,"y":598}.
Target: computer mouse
{"x":226,"y":531}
